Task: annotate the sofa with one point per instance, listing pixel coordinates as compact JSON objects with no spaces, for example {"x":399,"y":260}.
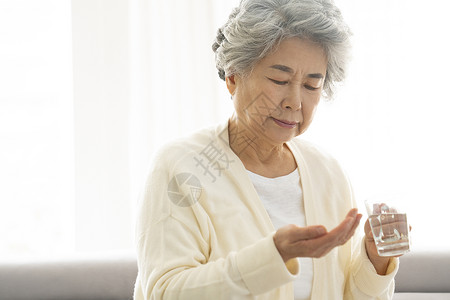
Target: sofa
{"x":422,"y":275}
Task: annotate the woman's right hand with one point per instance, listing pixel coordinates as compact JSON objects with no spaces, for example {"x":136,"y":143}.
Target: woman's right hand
{"x":314,"y":241}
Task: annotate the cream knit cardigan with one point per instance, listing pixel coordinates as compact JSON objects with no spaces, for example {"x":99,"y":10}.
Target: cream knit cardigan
{"x":203,"y":233}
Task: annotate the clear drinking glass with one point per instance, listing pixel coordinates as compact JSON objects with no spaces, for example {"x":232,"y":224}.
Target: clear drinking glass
{"x":389,"y":225}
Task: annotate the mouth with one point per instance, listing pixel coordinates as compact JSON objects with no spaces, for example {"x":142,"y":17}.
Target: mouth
{"x":285,"y":123}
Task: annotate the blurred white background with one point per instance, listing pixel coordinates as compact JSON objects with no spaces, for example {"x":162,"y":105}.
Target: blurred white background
{"x":89,"y":89}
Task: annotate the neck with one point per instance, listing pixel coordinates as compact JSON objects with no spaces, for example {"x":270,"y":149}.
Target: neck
{"x":252,"y":147}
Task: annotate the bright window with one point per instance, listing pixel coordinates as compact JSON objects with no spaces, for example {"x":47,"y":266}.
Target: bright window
{"x":88,"y":87}
{"x":36,"y":131}
{"x":388,"y":126}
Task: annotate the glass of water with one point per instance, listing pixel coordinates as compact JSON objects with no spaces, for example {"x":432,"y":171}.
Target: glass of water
{"x":389,"y":225}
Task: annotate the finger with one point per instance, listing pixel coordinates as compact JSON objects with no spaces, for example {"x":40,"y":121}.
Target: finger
{"x":352,"y":213}
{"x":352,"y":230}
{"x":369,"y":237}
{"x":385,"y":220}
{"x":355,"y":225}
{"x":357,"y":219}
{"x":338,"y":235}
{"x":368,"y":231}
{"x":376,"y":209}
{"x":319,"y":246}
{"x":347,"y":224}
{"x":367,"y":228}
{"x":306,"y":233}
{"x":387,"y":225}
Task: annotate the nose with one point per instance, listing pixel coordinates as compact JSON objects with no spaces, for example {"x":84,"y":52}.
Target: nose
{"x":293,"y":100}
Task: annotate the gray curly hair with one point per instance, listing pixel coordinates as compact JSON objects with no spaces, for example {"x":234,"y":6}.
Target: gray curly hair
{"x":256,"y":27}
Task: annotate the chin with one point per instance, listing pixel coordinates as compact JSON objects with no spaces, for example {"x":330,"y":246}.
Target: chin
{"x":282,"y":138}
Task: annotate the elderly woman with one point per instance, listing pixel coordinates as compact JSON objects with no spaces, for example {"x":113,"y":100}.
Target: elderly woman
{"x":245,"y":210}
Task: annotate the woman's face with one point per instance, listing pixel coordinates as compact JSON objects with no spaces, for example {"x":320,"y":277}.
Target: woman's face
{"x":278,"y":99}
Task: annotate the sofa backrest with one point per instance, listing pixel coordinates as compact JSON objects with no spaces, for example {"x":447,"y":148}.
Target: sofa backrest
{"x":113,"y":277}
{"x":422,"y":271}
{"x":95,"y":278}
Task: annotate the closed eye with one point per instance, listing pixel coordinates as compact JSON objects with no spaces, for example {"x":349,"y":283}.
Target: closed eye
{"x":311,"y":88}
{"x":278,"y":82}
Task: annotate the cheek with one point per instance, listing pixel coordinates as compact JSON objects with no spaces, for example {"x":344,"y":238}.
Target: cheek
{"x":308,"y":110}
{"x":313,"y":111}
{"x":264,"y":102}
{"x":271,"y":99}
{"x":240,"y":101}
{"x":311,"y":105}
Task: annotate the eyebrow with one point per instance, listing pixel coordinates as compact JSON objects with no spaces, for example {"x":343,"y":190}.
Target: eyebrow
{"x":291,"y":71}
{"x":283,"y":68}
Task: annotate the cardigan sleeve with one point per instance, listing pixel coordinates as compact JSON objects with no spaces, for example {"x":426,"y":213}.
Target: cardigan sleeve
{"x":173,"y":249}
{"x":363,"y":281}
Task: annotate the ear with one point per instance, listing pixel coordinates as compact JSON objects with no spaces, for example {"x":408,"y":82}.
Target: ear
{"x":231,"y":84}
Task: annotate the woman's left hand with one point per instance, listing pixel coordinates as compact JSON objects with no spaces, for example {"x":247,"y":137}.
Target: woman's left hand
{"x":380,"y":263}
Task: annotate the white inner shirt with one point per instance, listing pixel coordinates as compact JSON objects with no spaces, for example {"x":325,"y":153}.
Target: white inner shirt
{"x":282,"y":197}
